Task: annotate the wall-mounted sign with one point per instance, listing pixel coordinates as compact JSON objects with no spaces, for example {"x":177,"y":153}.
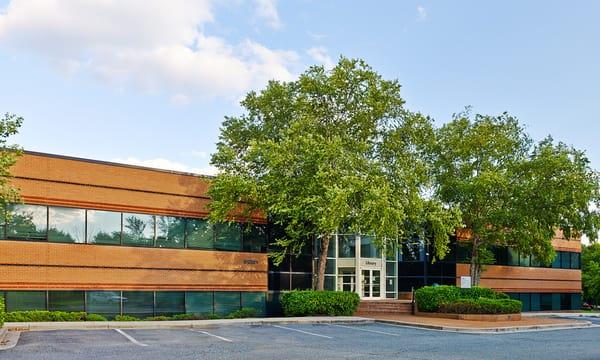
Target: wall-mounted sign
{"x":250,"y":262}
{"x":465,"y":282}
{"x":370,"y":263}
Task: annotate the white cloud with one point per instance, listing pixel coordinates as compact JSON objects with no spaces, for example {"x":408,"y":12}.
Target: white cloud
{"x":422,"y":12}
{"x":267,"y":10}
{"x":180,"y":99}
{"x":152,"y":45}
{"x":320,"y":55}
{"x":165,"y":164}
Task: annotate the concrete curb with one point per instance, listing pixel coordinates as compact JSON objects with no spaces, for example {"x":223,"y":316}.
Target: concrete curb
{"x":563,"y":315}
{"x":507,"y":329}
{"x":8,"y":339}
{"x":181,"y":324}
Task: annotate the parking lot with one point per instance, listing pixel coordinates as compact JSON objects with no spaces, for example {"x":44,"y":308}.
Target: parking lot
{"x":321,"y":341}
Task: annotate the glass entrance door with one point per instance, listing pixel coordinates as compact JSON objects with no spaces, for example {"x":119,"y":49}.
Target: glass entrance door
{"x":371,"y":283}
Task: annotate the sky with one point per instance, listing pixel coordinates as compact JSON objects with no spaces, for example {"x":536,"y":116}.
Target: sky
{"x":149,"y":82}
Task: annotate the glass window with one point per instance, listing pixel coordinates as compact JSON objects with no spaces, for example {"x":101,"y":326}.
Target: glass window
{"x":66,"y":225}
{"x":138,"y":230}
{"x":103,"y":227}
{"x":106,"y":303}
{"x":27,"y":222}
{"x":301,"y":281}
{"x":513,"y":257}
{"x":525,"y":302}
{"x":2,"y":223}
{"x":255,"y":238}
{"x":347,"y":246}
{"x":25,"y":300}
{"x":199,"y":302}
{"x":255,"y":300}
{"x":545,"y":302}
{"x":524,"y":260}
{"x":227,"y":302}
{"x":535,"y":302}
{"x":390,"y":268}
{"x":329,"y":283}
{"x":138,"y":303}
{"x":65,"y":300}
{"x":557,"y":260}
{"x":575,"y":301}
{"x":170,"y":231}
{"x":500,"y":255}
{"x":200,"y":234}
{"x":330,"y":266}
{"x":575,"y":262}
{"x":368,"y":248}
{"x":228,"y":236}
{"x":170,"y":303}
{"x":303,"y":263}
{"x":279,"y":281}
{"x":565,"y":260}
{"x":413,"y":250}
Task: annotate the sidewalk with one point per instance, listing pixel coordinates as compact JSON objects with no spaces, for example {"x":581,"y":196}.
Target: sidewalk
{"x":100,"y":325}
{"x":562,"y":314}
{"x":527,"y":323}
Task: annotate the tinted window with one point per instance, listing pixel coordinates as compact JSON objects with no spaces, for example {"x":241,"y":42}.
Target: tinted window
{"x":368,"y":249}
{"x":346,"y":246}
{"x":226,"y":302}
{"x":27,"y":222}
{"x":170,"y":231}
{"x":200,"y":234}
{"x":255,"y":300}
{"x":138,"y":303}
{"x":199,"y":302}
{"x":513,"y":257}
{"x":228,"y":236}
{"x":25,"y":300}
{"x":575,"y":263}
{"x":65,"y":300}
{"x":524,"y":260}
{"x":138,"y":230}
{"x":106,"y":303}
{"x":413,"y":251}
{"x":255,"y":238}
{"x":170,"y":303}
{"x":66,"y":225}
{"x":301,"y":281}
{"x":556,"y":263}
{"x":103,"y":227}
{"x":565,"y":260}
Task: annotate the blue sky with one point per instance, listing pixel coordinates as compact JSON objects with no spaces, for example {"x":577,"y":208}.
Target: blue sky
{"x":150,"y":82}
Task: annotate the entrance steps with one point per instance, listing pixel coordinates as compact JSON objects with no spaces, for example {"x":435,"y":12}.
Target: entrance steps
{"x":367,"y":307}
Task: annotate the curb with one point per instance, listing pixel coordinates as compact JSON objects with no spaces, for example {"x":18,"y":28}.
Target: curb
{"x":563,"y":315}
{"x":8,"y":339}
{"x":181,"y":324}
{"x":507,"y":329}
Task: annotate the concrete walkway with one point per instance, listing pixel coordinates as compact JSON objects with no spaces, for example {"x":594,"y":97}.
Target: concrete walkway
{"x":99,"y":325}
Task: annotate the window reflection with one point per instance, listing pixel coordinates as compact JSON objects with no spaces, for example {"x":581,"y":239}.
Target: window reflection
{"x":138,"y":230}
{"x":27,"y":222}
{"x":103,"y":227}
{"x":66,"y":225}
{"x":170,"y":231}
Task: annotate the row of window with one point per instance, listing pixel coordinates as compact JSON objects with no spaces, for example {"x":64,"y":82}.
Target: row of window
{"x":140,"y":304}
{"x":548,"y":301}
{"x":70,"y":225}
{"x":512,"y":257}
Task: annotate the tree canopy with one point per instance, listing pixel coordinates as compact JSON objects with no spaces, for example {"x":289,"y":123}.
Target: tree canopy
{"x":511,"y":191}
{"x":9,"y":125}
{"x":590,"y":273}
{"x":332,"y":151}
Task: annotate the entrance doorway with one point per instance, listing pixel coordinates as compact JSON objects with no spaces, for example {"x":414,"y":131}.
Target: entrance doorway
{"x":371,"y":283}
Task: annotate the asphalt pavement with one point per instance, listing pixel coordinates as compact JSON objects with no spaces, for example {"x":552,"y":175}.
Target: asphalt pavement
{"x":304,"y":341}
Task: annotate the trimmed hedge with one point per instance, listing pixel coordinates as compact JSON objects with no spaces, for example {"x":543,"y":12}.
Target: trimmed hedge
{"x":43,"y":315}
{"x":431,"y":298}
{"x":309,"y":303}
{"x":481,"y":306}
{"x":2,"y":314}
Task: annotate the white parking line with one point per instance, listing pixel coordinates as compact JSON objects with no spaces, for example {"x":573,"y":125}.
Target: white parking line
{"x":302,"y":331}
{"x":367,"y":330}
{"x":130,"y":338}
{"x":213,"y":335}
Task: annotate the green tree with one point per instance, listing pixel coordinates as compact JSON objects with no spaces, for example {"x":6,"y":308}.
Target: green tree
{"x":590,"y":273}
{"x":332,"y":151}
{"x":511,"y":191}
{"x":9,"y":153}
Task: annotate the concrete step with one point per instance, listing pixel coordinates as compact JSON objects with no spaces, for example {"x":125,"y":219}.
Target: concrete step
{"x":384,"y":306}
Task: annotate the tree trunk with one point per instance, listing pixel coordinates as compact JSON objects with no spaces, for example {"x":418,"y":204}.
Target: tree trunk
{"x":475,"y":269}
{"x":323,"y":262}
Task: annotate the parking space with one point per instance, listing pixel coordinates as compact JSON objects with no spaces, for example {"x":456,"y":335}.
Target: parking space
{"x":323,"y":341}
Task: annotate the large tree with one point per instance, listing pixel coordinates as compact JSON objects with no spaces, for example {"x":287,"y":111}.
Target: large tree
{"x":510,"y":190}
{"x":590,"y":273}
{"x":9,"y":125}
{"x":332,"y":151}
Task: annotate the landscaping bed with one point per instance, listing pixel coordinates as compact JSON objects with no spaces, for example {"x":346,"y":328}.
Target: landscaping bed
{"x":476,"y":303}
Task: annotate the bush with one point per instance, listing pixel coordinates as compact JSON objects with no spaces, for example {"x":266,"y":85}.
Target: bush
{"x":126,"y":318}
{"x":43,"y":315}
{"x":481,"y":306}
{"x":242,"y":313}
{"x":1,"y":311}
{"x":95,"y":317}
{"x":430,"y":298}
{"x":309,"y":302}
{"x":157,"y":318}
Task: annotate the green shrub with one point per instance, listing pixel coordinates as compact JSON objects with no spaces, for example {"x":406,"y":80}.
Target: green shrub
{"x":430,"y":298}
{"x":309,"y":302}
{"x":157,"y":318}
{"x":242,"y":313}
{"x":481,"y":306}
{"x":95,"y":317}
{"x":43,"y":315}
{"x":1,"y":311}
{"x":126,"y":318}
{"x":190,"y":317}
